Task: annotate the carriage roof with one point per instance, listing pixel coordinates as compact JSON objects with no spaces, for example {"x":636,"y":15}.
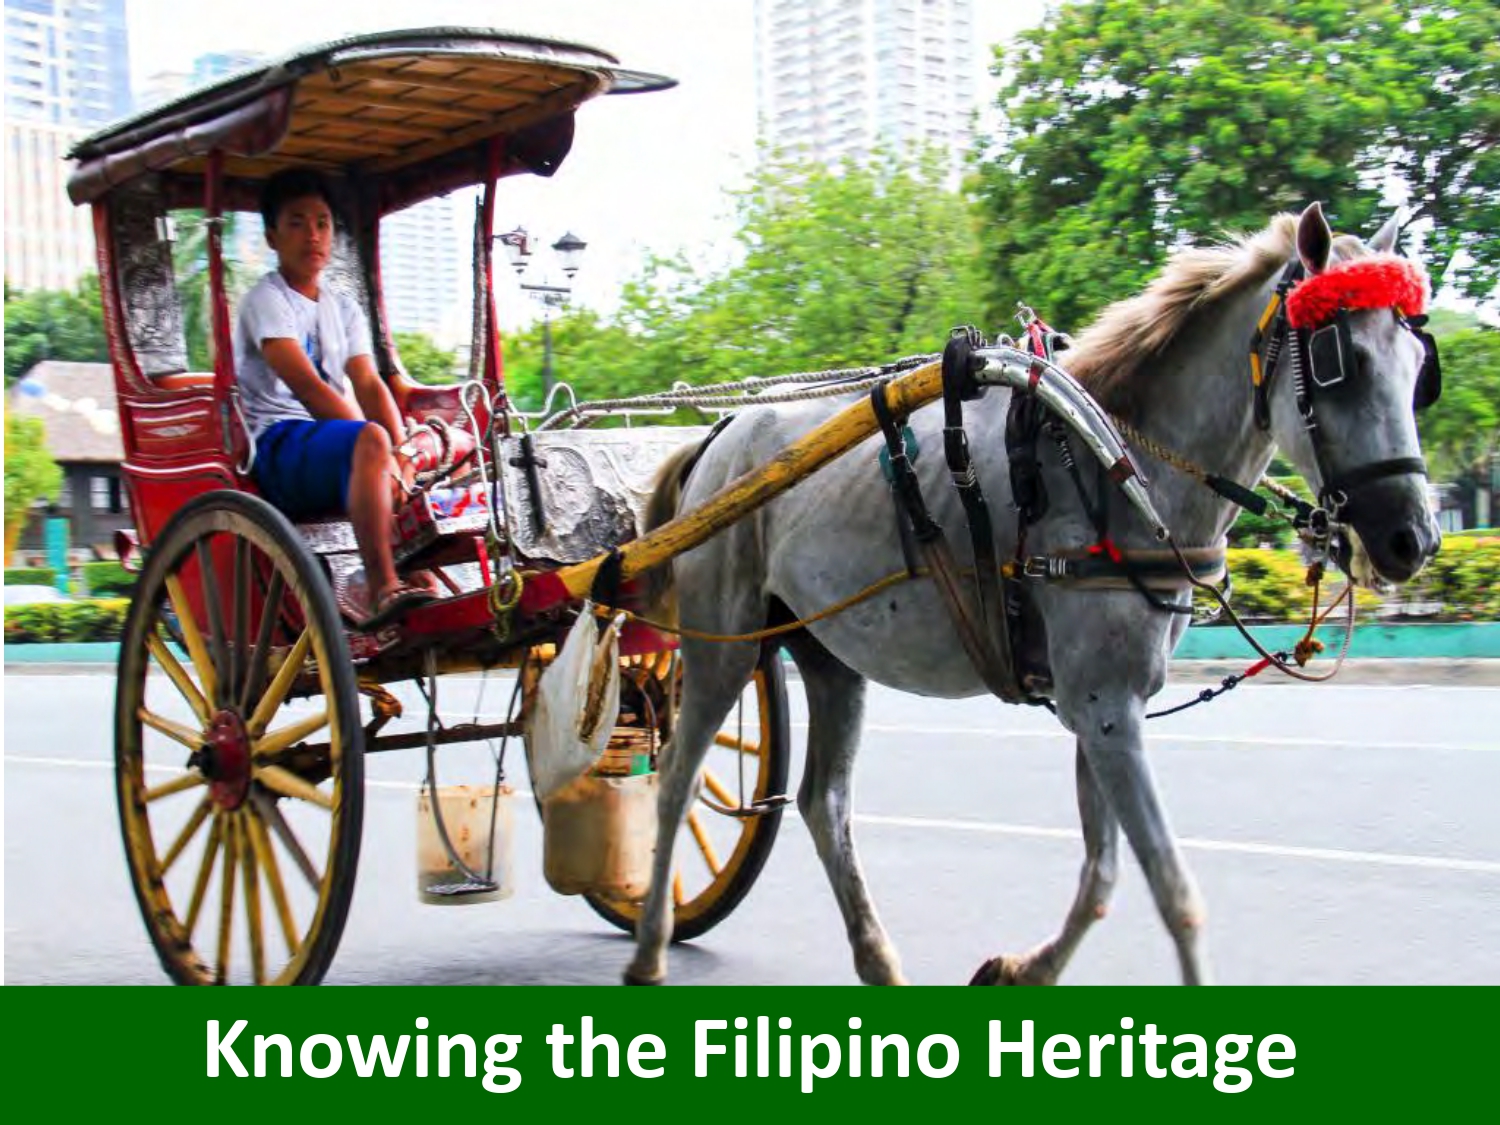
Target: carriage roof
{"x":388,"y":103}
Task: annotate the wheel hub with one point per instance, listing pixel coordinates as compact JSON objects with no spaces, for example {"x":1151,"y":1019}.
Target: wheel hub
{"x":227,"y":760}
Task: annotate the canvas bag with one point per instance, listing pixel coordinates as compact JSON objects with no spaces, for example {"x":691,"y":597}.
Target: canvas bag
{"x":577,"y":702}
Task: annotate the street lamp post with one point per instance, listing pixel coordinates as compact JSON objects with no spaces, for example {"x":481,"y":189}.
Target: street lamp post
{"x":569,"y":250}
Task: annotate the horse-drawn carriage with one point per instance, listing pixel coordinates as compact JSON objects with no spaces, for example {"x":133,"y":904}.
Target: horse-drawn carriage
{"x":240,"y":732}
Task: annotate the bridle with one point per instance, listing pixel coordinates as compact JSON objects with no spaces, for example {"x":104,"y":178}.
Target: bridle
{"x":1307,"y":320}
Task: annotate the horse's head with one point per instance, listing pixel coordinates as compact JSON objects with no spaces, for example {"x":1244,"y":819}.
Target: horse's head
{"x":1360,"y":368}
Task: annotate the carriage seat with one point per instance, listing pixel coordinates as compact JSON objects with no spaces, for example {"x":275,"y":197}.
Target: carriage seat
{"x":184,"y":381}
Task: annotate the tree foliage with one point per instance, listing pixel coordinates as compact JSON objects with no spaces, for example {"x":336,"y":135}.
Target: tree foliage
{"x":30,"y":472}
{"x":835,"y":267}
{"x":1461,"y":432}
{"x":1132,"y":125}
{"x":190,"y":268}
{"x":53,"y":324}
{"x":423,"y":359}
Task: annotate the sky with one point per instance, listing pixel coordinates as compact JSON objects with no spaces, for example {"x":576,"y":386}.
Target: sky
{"x":646,"y":174}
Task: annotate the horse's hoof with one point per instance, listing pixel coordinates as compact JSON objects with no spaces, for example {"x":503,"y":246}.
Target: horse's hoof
{"x":632,"y":977}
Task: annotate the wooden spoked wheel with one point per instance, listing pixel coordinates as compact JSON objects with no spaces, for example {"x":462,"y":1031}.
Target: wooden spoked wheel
{"x":719,"y":855}
{"x":238,"y":749}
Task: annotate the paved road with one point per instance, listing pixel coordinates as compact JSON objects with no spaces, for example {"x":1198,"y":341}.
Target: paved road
{"x":1341,"y":834}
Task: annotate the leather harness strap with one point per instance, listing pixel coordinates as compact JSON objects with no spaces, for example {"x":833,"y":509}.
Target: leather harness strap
{"x":993,"y":662}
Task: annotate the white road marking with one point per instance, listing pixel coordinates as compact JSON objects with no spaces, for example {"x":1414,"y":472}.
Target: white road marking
{"x":1285,"y":851}
{"x":1268,"y":742}
{"x":1038,"y":832}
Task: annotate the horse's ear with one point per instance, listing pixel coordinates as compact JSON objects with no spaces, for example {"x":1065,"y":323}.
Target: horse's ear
{"x":1384,"y":241}
{"x":1314,"y":239}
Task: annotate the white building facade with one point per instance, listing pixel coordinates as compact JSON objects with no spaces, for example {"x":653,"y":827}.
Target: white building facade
{"x":424,"y":262}
{"x":836,"y":78}
{"x":67,"y":67}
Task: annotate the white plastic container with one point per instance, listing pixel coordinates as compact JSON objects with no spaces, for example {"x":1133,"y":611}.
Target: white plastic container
{"x":467,"y":811}
{"x":600,"y":835}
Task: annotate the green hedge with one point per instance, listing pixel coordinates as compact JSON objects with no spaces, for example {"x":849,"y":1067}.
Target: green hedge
{"x":66,"y":622}
{"x":1461,"y":584}
{"x":30,"y":576}
{"x":1464,"y":579}
{"x":107,"y":580}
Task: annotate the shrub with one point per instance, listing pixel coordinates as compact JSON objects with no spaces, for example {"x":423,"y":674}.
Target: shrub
{"x":30,"y":576}
{"x":107,"y":580}
{"x":1250,"y":530}
{"x":1464,"y":579}
{"x":66,"y":622}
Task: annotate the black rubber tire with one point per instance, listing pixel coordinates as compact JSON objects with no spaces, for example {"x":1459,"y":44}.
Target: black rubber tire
{"x":245,"y":528}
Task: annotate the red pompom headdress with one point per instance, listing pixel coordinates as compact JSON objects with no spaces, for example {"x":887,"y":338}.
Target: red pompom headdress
{"x":1383,"y":281}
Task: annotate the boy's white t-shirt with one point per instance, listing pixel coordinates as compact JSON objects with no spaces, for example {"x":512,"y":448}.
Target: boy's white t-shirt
{"x":331,"y":330}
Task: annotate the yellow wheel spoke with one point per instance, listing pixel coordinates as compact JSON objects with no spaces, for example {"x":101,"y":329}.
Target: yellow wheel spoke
{"x":272,"y":815}
{"x":705,"y":845}
{"x":288,"y":784}
{"x":178,"y":784}
{"x":192,"y":639}
{"x":678,"y":897}
{"x":261,"y":844}
{"x":200,"y":814}
{"x":252,"y":901}
{"x":716,"y":787}
{"x":277,"y":741}
{"x":178,"y":675}
{"x":226,"y":896}
{"x":275,"y":695}
{"x":190,"y":738}
{"x":729,"y":742}
{"x":205,"y":870}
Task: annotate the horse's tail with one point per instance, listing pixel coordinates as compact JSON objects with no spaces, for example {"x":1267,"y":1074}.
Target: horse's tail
{"x":658,"y":590}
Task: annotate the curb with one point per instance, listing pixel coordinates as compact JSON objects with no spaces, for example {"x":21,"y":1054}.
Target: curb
{"x":98,"y":653}
{"x":1478,"y":640}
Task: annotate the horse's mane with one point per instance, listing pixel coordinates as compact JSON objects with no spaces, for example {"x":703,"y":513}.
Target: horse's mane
{"x":1109,"y":354}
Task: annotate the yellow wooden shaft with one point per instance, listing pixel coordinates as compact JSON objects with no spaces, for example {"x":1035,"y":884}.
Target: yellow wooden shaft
{"x":795,"y":463}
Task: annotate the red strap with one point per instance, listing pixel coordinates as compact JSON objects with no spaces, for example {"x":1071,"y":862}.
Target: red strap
{"x":1106,"y":546}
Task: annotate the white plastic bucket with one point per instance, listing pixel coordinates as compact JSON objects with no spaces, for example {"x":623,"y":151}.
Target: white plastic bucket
{"x":467,"y":812}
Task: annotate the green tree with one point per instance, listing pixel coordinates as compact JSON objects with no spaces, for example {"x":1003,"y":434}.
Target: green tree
{"x":843,"y":266}
{"x":190,"y":268}
{"x":1132,"y":125}
{"x":1461,"y":432}
{"x":836,"y":267}
{"x":53,"y":324}
{"x":30,"y":472}
{"x":423,"y":359}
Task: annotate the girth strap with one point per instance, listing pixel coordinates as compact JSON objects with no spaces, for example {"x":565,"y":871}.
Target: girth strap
{"x":993,"y":663}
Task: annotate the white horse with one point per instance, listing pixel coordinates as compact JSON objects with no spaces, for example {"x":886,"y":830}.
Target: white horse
{"x":1173,"y":361}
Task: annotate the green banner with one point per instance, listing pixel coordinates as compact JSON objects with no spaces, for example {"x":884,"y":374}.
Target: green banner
{"x":750,"y":1054}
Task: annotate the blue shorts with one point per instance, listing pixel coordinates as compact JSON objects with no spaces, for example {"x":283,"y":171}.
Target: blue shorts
{"x":303,"y":468}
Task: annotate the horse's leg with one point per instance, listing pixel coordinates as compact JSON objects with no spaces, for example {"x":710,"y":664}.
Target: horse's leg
{"x":836,"y":704}
{"x":1108,"y":725}
{"x":713,"y":677}
{"x":1044,"y":964}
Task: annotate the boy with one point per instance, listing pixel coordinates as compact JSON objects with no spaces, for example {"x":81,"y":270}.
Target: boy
{"x":299,"y":350}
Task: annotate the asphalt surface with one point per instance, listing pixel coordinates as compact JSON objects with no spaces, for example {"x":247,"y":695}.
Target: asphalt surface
{"x":1341,"y":834}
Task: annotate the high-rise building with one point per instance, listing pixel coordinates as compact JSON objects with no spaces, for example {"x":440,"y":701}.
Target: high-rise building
{"x":835,"y":78}
{"x":67,"y":72}
{"x":423,"y":262}
{"x":67,"y":61}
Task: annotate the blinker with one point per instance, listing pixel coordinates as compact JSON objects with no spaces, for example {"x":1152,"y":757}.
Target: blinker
{"x":1332,"y":359}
